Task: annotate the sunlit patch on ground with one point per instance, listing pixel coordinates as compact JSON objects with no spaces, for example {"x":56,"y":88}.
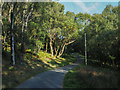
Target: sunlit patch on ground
{"x":32,"y":65}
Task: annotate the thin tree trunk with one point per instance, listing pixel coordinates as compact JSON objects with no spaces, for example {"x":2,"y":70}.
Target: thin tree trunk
{"x":27,"y":20}
{"x":55,"y":47}
{"x":56,"y":52}
{"x":51,"y":47}
{"x":12,"y":38}
{"x":85,"y":51}
{"x":62,"y":50}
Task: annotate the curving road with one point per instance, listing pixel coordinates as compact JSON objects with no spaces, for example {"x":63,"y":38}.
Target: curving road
{"x":49,"y":79}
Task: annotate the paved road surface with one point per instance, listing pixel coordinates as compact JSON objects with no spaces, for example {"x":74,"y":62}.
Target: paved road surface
{"x":49,"y":79}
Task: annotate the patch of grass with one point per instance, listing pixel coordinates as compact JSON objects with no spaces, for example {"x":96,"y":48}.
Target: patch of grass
{"x":91,"y":77}
{"x":32,"y":65}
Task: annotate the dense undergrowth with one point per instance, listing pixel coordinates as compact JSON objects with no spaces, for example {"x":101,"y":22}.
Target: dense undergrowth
{"x":32,"y":65}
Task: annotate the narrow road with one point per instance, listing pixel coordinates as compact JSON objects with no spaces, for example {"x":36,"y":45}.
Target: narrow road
{"x":49,"y":79}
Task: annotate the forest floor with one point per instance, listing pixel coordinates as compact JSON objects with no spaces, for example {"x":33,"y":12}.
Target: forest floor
{"x":12,"y":76}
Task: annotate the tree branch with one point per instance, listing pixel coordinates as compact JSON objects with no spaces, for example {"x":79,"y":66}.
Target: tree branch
{"x":69,"y":42}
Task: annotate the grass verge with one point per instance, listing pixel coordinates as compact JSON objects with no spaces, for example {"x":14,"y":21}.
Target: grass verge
{"x":91,"y":77}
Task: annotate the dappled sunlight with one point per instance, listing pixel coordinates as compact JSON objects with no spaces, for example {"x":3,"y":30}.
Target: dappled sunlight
{"x":91,"y":73}
{"x":97,"y":74}
{"x":60,"y":70}
{"x":49,"y":79}
{"x":32,"y":65}
{"x":4,"y":73}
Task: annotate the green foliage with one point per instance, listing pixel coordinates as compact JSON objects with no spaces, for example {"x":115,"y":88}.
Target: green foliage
{"x":48,"y":23}
{"x":102,"y":36}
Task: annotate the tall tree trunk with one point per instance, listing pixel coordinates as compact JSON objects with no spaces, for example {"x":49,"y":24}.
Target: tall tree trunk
{"x":24,"y":29}
{"x":51,"y":47}
{"x":1,"y":43}
{"x":22,"y":40}
{"x":12,"y":37}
